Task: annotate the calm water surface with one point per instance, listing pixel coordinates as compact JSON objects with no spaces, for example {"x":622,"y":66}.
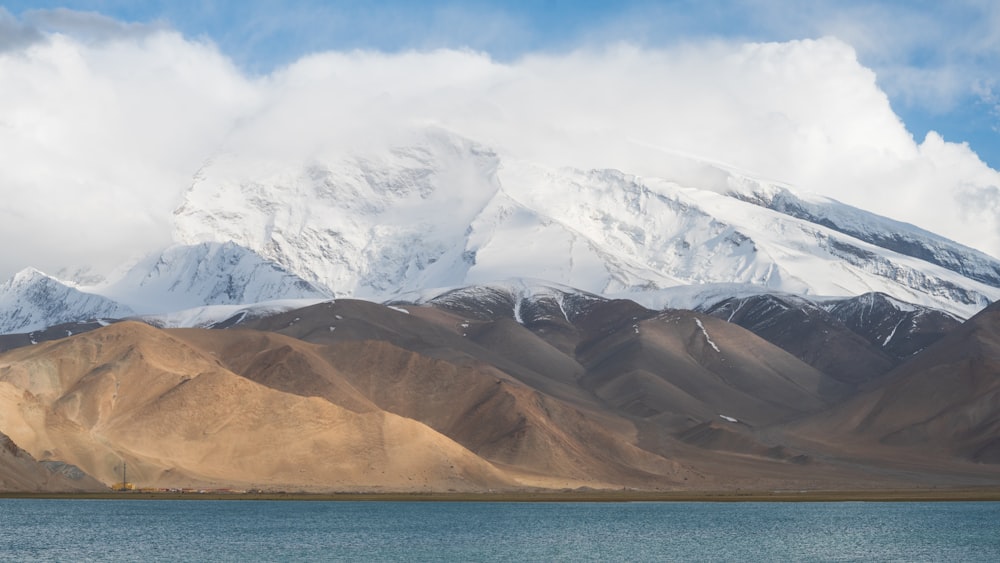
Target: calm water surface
{"x":117,"y":530}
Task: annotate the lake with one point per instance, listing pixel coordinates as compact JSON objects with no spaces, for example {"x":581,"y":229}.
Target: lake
{"x":170,"y":530}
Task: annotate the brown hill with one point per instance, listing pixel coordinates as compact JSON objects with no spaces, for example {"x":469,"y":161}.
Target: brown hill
{"x":477,"y":395}
{"x":479,"y":406}
{"x":351,"y":395}
{"x":180,"y":418}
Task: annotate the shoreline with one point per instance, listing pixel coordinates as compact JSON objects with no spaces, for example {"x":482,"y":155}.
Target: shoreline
{"x":988,"y":494}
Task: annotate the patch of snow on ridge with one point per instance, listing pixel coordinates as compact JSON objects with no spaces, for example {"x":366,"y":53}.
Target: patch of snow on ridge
{"x":893,"y":333}
{"x":707,"y":337}
{"x":728,"y":418}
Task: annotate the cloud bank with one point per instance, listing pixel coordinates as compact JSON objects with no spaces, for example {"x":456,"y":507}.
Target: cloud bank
{"x":100,"y":135}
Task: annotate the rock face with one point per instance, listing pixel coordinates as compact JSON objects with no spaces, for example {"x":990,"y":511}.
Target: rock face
{"x":899,"y":329}
{"x":810,"y":333}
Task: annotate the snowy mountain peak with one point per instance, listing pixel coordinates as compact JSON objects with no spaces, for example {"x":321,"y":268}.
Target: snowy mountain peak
{"x":25,"y":277}
{"x":32,"y":300}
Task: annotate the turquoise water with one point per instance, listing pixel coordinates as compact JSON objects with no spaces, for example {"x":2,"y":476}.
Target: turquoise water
{"x":120,"y":530}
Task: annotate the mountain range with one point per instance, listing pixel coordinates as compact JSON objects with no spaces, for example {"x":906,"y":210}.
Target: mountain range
{"x":441,"y":211}
{"x":500,"y":387}
{"x":438,"y":316}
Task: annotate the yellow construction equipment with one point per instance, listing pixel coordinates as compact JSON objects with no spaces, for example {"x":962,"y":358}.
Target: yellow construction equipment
{"x":124,"y":485}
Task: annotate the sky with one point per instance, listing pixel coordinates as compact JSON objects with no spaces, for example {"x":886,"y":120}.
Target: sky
{"x":109,"y":108}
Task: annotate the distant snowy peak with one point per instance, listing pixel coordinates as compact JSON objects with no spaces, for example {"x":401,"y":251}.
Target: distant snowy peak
{"x":188,"y":276}
{"x":32,"y":300}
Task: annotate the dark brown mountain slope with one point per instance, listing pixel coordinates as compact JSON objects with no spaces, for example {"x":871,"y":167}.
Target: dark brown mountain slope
{"x":943,"y":402}
{"x":809,"y":333}
{"x":688,"y":368}
{"x":899,"y":329}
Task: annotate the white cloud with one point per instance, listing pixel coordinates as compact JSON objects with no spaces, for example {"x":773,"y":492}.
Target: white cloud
{"x":97,"y":141}
{"x":102,"y":137}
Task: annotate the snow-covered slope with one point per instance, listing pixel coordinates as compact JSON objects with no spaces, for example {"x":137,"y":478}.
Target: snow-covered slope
{"x":883,"y":232}
{"x":32,"y":301}
{"x":188,"y":276}
{"x":443,"y":211}
{"x":361,"y":225}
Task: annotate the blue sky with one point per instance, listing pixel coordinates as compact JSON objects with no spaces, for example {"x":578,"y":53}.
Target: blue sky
{"x":936,"y":60}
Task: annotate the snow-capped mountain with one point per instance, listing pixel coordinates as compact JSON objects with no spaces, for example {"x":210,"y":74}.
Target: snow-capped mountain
{"x":444,"y":211}
{"x":32,"y":300}
{"x":438,"y":210}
